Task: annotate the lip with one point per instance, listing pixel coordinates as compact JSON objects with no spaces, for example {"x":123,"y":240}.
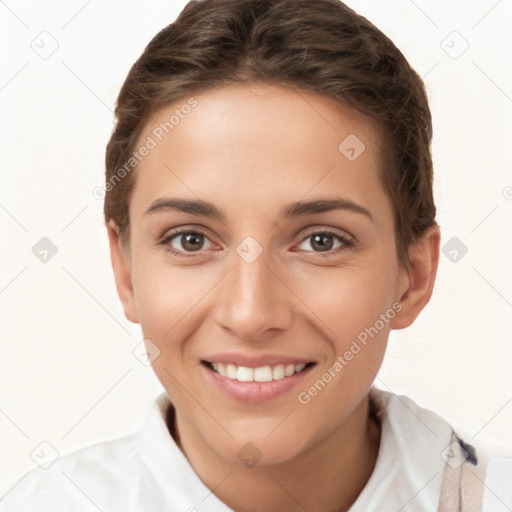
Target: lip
{"x":254,"y":392}
{"x":255,"y":361}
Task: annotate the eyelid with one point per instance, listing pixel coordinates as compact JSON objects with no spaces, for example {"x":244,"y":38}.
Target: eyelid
{"x":328,"y":231}
{"x":180,"y":230}
{"x":347,"y":240}
{"x":169,"y":236}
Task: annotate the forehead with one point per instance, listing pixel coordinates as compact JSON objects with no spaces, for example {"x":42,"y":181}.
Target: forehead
{"x":260,"y":143}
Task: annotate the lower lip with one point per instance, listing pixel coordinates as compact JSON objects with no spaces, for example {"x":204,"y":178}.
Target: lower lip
{"x":254,"y":392}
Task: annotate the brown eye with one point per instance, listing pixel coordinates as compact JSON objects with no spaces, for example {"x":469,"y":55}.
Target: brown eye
{"x":325,"y":242}
{"x":192,"y":241}
{"x":322,"y":242}
{"x":187,"y":242}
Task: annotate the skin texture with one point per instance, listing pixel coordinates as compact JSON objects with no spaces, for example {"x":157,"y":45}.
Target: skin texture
{"x":250,"y":150}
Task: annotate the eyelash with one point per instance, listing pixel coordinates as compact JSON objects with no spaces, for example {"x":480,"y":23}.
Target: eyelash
{"x":347,"y":243}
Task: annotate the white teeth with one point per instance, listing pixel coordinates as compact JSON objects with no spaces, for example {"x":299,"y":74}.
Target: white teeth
{"x":260,"y":374}
{"x":244,"y":374}
{"x":278,"y":372}
{"x":231,"y":371}
{"x":289,"y":370}
{"x":263,"y":374}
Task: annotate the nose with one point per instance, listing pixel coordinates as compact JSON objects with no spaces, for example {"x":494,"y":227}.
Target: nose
{"x":253,"y":300}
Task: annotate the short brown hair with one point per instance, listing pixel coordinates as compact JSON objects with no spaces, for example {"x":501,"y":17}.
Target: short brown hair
{"x":321,"y":46}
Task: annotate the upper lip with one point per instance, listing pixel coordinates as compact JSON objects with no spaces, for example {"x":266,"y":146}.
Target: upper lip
{"x":255,"y":361}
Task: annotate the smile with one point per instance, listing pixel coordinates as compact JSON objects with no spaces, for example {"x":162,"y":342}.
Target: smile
{"x":259,"y":374}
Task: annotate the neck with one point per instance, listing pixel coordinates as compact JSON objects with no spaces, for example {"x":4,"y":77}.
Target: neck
{"x":327,"y":477}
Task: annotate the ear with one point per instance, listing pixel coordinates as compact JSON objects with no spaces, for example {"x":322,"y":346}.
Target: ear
{"x":419,"y":278}
{"x":122,"y":272}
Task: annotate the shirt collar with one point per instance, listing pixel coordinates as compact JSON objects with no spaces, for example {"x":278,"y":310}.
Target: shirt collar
{"x":169,"y":466}
{"x":409,"y":467}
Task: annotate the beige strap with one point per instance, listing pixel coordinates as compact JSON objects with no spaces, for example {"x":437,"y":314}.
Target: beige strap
{"x":461,"y":490}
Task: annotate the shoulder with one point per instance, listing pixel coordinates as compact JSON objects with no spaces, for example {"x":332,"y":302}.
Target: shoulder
{"x":81,"y":480}
{"x":116,"y":475}
{"x":422,"y":439}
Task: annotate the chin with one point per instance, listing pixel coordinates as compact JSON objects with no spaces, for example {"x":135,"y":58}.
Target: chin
{"x":262,"y":450}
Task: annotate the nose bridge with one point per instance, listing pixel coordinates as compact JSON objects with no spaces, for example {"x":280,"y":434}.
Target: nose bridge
{"x":252,"y":300}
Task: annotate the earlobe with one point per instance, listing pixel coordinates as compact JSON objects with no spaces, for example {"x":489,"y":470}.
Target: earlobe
{"x":421,"y":275}
{"x":122,"y":273}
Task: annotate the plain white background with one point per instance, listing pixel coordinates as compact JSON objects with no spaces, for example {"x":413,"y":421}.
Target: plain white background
{"x":68,"y":373}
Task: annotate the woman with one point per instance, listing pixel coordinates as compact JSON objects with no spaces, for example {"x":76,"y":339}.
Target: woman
{"x":270,"y":214}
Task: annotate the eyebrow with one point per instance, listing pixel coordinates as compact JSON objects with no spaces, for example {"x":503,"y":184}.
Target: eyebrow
{"x":296,"y":209}
{"x":301,"y":208}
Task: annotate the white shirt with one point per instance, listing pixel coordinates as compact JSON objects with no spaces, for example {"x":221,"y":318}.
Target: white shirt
{"x":147,"y":472}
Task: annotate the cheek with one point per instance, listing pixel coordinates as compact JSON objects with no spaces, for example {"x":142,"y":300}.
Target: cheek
{"x":357,"y":307}
{"x":349,"y":300}
{"x":167,"y":298}
{"x":169,"y":302}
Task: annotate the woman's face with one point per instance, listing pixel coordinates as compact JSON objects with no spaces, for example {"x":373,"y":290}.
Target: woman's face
{"x":261,"y":241}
